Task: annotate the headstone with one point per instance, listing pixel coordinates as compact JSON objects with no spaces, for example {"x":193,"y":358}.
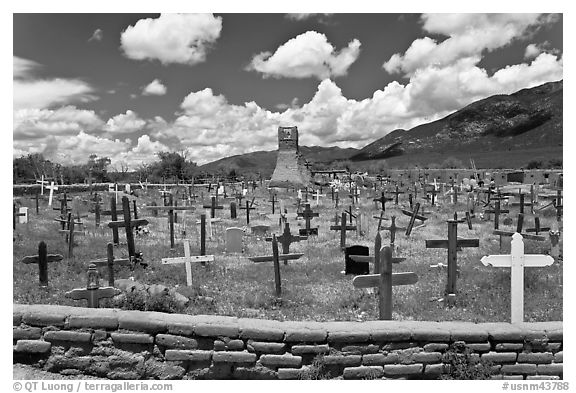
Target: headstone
{"x":23,"y":215}
{"x":234,"y":240}
{"x":352,"y":267}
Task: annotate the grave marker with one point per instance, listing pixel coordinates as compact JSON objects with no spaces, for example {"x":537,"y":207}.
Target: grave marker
{"x":42,"y":260}
{"x":286,"y":239}
{"x":384,"y":281}
{"x":380,"y":219}
{"x":275,"y":258}
{"x":110,"y":261}
{"x":52,"y":188}
{"x":351,"y":266}
{"x":517,"y":261}
{"x":308,"y":215}
{"x":343,"y":228}
{"x":234,"y":240}
{"x":93,"y":292}
{"x":496,"y":211}
{"x":452,"y":244}
{"x":213,"y":206}
{"x":187,"y":259}
{"x":413,"y":216}
{"x":128,"y":224}
{"x":392,"y":229}
{"x":383,"y":199}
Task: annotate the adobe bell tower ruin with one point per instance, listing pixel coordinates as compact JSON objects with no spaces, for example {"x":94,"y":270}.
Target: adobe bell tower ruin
{"x":290,"y":170}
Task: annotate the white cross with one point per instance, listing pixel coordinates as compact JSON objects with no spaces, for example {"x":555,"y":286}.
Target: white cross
{"x":52,"y":188}
{"x":187,"y":259}
{"x":517,"y":261}
{"x":318,"y":195}
{"x":42,"y":185}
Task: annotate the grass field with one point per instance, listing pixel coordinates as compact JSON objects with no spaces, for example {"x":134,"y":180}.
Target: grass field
{"x":313,"y":287}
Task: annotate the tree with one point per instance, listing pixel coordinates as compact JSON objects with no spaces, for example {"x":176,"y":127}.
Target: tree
{"x":97,"y":168}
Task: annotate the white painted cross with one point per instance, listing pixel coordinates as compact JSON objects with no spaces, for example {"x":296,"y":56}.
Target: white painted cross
{"x":187,"y":259}
{"x":317,"y":196}
{"x":517,"y":261}
{"x":42,"y":182}
{"x":52,"y":188}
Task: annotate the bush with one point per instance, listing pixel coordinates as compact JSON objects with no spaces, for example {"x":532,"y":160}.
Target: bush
{"x":461,"y":364}
{"x":534,"y":164}
{"x":452,"y":163}
{"x":317,"y":370}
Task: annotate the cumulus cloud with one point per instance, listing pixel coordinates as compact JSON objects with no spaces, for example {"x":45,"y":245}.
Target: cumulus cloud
{"x":469,"y":35}
{"x":97,"y":35}
{"x":306,"y":55}
{"x":33,"y":123}
{"x":125,"y":123}
{"x":171,"y":38}
{"x":45,"y":93}
{"x":154,"y":88}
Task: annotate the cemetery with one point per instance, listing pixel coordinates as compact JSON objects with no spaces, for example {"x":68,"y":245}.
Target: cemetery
{"x":381,"y":275}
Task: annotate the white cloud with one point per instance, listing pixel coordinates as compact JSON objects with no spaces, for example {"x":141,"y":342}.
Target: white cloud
{"x":532,"y":50}
{"x":125,"y":123}
{"x":304,"y":16}
{"x":44,"y":93}
{"x":98,"y":35}
{"x":469,"y":35}
{"x":35,"y":123}
{"x":154,"y":88}
{"x":171,"y":38}
{"x":306,"y":55}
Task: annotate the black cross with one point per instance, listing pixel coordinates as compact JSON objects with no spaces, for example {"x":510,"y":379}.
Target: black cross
{"x":308,"y":215}
{"x":496,"y":211}
{"x":274,"y":201}
{"x":383,"y":199}
{"x":380,"y":219}
{"x":128,"y":224}
{"x":452,"y":244}
{"x":397,"y":192}
{"x":537,"y":228}
{"x":343,"y":228}
{"x":213,"y":206}
{"x":110,"y":262}
{"x":350,"y":214}
{"x":42,"y":260}
{"x":392,"y":229}
{"x":413,"y":216}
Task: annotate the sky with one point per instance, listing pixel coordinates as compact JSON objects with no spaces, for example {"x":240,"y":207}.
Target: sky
{"x":126,"y":86}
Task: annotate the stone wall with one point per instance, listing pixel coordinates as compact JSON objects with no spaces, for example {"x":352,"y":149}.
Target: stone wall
{"x":118,"y":344}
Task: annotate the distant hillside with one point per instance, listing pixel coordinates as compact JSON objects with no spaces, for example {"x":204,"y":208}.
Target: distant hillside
{"x":516,"y":125}
{"x":264,"y":162}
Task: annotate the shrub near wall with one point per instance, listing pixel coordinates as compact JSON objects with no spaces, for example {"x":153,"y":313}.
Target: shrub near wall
{"x":117,"y":344}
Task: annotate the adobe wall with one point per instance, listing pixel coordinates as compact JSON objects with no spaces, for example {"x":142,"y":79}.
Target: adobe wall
{"x":116,"y":344}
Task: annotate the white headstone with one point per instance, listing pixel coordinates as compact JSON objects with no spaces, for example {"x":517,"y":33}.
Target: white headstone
{"x":127,"y":188}
{"x":517,"y":261}
{"x":110,"y":187}
{"x":234,"y":240}
{"x":23,"y":219}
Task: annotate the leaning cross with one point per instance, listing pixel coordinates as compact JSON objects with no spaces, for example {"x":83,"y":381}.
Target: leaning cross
{"x":42,"y":260}
{"x":128,"y":224}
{"x":93,"y":292}
{"x":384,"y":281}
{"x":379,"y":218}
{"x":413,"y":216}
{"x":452,"y":244}
{"x":517,"y":261}
{"x":275,"y":257}
{"x":187,"y":259}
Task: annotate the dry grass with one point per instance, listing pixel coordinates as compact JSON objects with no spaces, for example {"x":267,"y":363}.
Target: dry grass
{"x":313,"y":288}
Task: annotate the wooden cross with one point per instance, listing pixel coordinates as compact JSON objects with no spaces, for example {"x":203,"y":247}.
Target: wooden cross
{"x":213,"y":206}
{"x":519,"y":226}
{"x":187,"y":260}
{"x":413,"y":216}
{"x":397,"y":192}
{"x":350,"y":214}
{"x":452,"y":244}
{"x":384,"y":281}
{"x":113,"y":213}
{"x":343,"y":228}
{"x":517,"y":261}
{"x":521,"y":202}
{"x":286,"y":239}
{"x":42,"y":259}
{"x":497,"y":210}
{"x":42,"y":182}
{"x":337,"y":199}
{"x":128,"y":224}
{"x":537,"y":228}
{"x":93,"y":292}
{"x":308,"y":215}
{"x":559,"y":205}
{"x":275,"y":258}
{"x":392,"y":229}
{"x":110,"y":262}
{"x":248,"y":207}
{"x":170,"y":210}
{"x":70,"y":234}
{"x":52,"y":188}
{"x":317,"y":195}
{"x":375,"y":259}
{"x":380,"y":219}
{"x":64,"y":209}
{"x":383,"y":199}
{"x":467,"y":219}
{"x":354,"y":195}
{"x":274,"y":201}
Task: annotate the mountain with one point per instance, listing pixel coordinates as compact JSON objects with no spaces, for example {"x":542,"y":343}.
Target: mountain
{"x":264,"y":162}
{"x":501,"y":130}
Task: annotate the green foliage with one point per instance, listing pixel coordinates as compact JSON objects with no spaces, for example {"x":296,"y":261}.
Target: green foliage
{"x":142,"y":301}
{"x":555,"y":163}
{"x":534,"y":164}
{"x":462,"y":365}
{"x":452,"y":163}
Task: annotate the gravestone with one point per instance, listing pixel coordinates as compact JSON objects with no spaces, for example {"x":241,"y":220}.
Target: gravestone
{"x":23,"y":215}
{"x":234,"y":240}
{"x":352,"y":267}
